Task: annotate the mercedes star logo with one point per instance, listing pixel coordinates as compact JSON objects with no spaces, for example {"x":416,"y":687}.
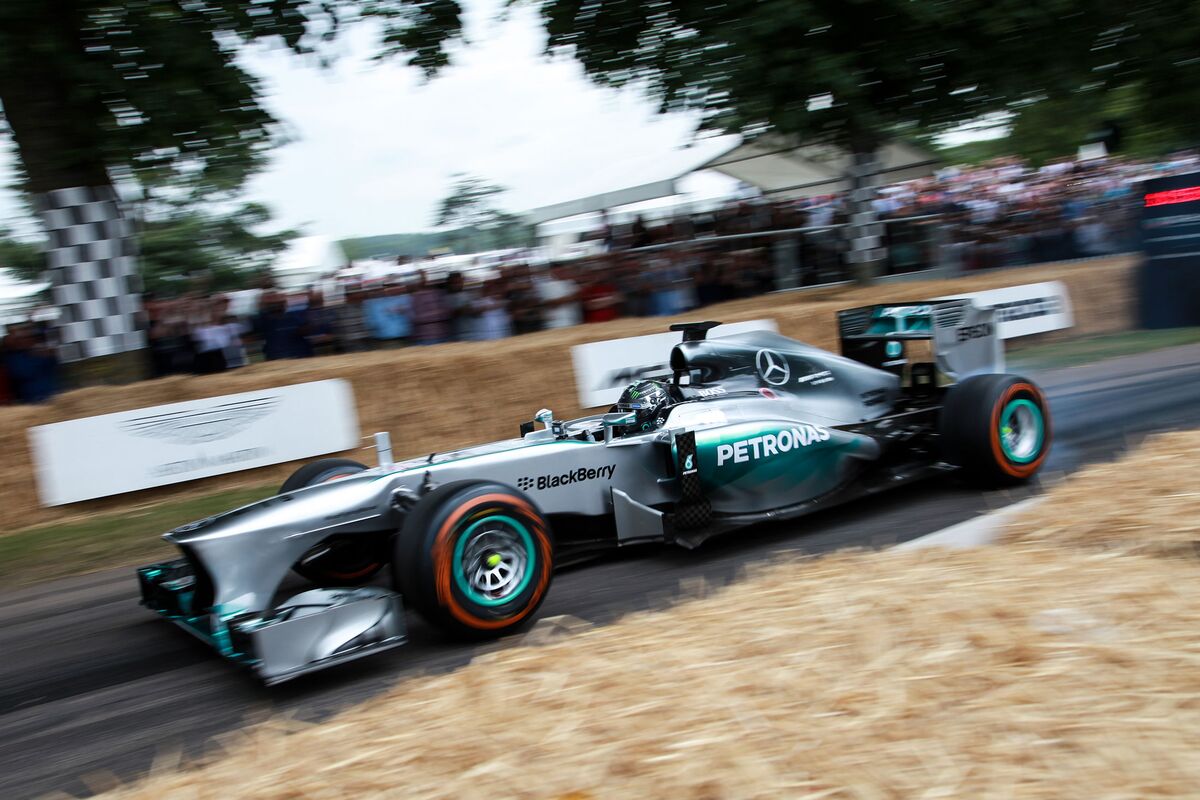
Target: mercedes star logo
{"x":772,"y":367}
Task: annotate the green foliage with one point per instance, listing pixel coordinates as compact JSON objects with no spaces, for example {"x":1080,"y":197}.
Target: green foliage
{"x":188,"y":248}
{"x":975,"y":152}
{"x":478,"y":222}
{"x":152,"y":90}
{"x":470,"y":203}
{"x":412,"y":245}
{"x":22,"y":260}
{"x":858,"y":71}
{"x":513,"y":233}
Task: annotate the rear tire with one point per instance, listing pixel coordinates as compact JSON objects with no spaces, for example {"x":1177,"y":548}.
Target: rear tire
{"x":474,"y":558}
{"x":996,"y":428}
{"x":350,"y":561}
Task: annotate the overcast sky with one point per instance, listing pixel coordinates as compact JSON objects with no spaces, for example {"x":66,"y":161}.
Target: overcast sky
{"x":375,"y":146}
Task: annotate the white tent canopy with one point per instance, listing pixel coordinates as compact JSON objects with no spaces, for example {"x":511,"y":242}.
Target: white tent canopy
{"x":603,"y":202}
{"x":665,"y":175}
{"x":306,"y":259}
{"x":785,"y":170}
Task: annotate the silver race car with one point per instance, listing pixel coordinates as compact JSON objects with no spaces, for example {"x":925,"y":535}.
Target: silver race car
{"x":749,"y":428}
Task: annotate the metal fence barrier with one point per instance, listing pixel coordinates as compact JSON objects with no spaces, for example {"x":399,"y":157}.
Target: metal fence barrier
{"x":815,"y":256}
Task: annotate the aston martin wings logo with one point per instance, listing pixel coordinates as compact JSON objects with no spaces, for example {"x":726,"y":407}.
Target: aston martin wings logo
{"x":772,"y":367}
{"x":206,"y":425}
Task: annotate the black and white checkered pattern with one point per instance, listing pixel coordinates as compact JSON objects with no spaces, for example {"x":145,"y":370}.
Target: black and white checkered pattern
{"x":92,"y":272}
{"x":865,"y":229}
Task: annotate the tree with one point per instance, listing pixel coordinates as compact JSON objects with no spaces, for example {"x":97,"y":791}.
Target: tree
{"x":22,"y":260}
{"x":220,"y":252}
{"x":152,"y":87}
{"x":146,"y":92}
{"x":859,"y":72}
{"x":475,"y":219}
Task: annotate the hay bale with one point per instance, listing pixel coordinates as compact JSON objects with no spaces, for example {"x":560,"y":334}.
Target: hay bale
{"x":1147,"y":502}
{"x":447,"y":396}
{"x":1019,"y":671}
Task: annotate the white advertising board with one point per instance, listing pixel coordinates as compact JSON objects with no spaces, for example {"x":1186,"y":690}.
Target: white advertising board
{"x":115,"y":453}
{"x":1027,"y":309}
{"x":603,"y":369}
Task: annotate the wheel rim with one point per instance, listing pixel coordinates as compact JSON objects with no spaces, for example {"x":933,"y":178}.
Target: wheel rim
{"x":1022,"y":431}
{"x":494,"y":560}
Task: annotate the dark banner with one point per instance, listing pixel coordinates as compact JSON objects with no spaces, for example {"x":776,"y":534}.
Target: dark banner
{"x":1169,"y":280}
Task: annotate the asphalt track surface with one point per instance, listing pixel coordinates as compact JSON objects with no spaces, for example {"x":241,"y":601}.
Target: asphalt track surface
{"x":92,"y":685}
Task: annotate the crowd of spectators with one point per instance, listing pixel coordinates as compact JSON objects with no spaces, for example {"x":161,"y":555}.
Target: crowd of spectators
{"x":29,"y":370}
{"x":1004,"y":213}
{"x":199,"y":334}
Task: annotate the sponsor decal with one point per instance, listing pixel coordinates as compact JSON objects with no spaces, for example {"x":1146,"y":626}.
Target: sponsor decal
{"x":817,"y":378}
{"x":200,"y":462}
{"x":628,"y":375}
{"x":1172,"y":196}
{"x":968,"y":332}
{"x":574,"y":476}
{"x":712,"y":391}
{"x":218,"y":421}
{"x":771,"y":444}
{"x":772,"y":367}
{"x":127,"y":451}
{"x":1028,"y":309}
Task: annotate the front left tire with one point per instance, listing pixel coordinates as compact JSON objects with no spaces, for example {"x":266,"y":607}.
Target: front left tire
{"x":474,"y":558}
{"x":349,"y":561}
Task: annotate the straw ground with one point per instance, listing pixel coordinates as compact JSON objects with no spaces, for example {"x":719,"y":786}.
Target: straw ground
{"x":1034,"y":669}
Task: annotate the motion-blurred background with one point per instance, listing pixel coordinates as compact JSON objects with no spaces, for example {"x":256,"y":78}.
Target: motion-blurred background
{"x":193,"y":186}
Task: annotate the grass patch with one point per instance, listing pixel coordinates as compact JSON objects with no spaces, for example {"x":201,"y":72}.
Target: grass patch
{"x":1088,"y":349}
{"x":112,"y":540}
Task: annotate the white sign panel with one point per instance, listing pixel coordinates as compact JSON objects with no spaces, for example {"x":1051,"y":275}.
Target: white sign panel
{"x":115,"y":453}
{"x":1027,"y":309}
{"x":603,"y":369}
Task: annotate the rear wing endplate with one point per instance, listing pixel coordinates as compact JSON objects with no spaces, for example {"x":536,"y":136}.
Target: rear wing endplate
{"x":963,"y":335}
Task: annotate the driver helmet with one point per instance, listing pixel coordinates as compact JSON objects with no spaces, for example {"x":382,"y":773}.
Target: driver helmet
{"x":648,"y":400}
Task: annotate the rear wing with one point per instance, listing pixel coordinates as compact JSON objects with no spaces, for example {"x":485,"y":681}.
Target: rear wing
{"x":963,"y":335}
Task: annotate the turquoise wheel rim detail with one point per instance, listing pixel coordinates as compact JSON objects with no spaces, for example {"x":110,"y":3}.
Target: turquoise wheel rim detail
{"x":494,"y":560}
{"x":1022,"y":431}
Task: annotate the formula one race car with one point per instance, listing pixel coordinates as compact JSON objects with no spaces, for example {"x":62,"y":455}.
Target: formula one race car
{"x":750,"y":427}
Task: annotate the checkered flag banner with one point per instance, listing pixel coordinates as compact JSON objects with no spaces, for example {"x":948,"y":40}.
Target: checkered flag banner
{"x":92,"y":272}
{"x":865,"y":229}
